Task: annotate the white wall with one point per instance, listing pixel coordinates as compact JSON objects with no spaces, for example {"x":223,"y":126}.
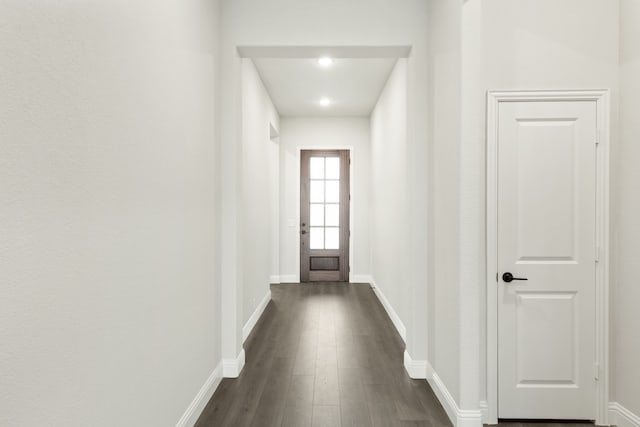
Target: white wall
{"x":274,"y":186}
{"x":444,"y":119}
{"x":390,"y":228}
{"x":259,"y":164}
{"x":518,"y":44}
{"x":108,"y":294}
{"x":306,"y":133}
{"x":626,"y":209}
{"x":312,"y":23}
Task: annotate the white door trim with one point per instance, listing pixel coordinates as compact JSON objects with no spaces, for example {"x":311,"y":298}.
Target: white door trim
{"x":601,"y":371}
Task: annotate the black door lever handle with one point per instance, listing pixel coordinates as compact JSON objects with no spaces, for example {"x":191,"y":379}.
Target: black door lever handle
{"x":508,"y":277}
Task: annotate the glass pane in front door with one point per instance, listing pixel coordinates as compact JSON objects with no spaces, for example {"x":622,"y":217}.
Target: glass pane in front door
{"x":324,"y":202}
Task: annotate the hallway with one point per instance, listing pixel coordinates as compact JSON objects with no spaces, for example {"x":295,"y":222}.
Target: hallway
{"x":324,"y":355}
{"x":173,"y":172}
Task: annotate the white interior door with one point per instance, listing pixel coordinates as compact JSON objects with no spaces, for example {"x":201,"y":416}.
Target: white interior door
{"x":546,"y":234}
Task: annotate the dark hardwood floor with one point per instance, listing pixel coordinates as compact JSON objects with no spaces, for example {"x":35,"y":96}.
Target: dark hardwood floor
{"x":324,"y":355}
{"x":529,"y":423}
{"x":327,"y":355}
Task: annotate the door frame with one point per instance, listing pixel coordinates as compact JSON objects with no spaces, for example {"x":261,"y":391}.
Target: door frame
{"x":352,"y":179}
{"x":601,"y":370}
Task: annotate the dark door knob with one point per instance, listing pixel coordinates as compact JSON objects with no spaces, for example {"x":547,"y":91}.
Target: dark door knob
{"x":508,"y":277}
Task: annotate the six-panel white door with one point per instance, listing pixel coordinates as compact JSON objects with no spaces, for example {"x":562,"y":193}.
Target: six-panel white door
{"x":546,"y":234}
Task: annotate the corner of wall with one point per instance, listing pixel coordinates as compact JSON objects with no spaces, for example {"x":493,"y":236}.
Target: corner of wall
{"x":253,"y":319}
{"x":622,"y":417}
{"x":417,"y":369}
{"x":231,"y":368}
{"x":195,"y":408}
{"x":422,"y":369}
{"x":459,"y":417}
{"x":397,"y":322}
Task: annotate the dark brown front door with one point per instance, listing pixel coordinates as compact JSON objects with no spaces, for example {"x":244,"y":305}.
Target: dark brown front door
{"x":324,"y":216}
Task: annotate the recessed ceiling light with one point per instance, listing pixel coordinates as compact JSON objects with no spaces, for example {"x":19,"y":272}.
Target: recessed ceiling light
{"x":325,"y":61}
{"x":325,"y":102}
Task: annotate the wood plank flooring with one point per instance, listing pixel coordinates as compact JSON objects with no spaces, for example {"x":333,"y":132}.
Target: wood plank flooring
{"x":327,"y":355}
{"x":323,"y":355}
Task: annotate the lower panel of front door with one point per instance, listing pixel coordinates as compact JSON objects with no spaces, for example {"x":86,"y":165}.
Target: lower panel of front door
{"x":324,"y":263}
{"x":324,"y":269}
{"x":325,"y":276}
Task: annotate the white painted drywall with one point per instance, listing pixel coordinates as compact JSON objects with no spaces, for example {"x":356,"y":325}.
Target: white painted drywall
{"x":521,"y":45}
{"x":390,"y":229}
{"x":324,"y":132}
{"x":626,"y":211}
{"x":108,"y":291}
{"x":309,"y":23}
{"x":274,"y":186}
{"x":259,"y":164}
{"x":444,"y":119}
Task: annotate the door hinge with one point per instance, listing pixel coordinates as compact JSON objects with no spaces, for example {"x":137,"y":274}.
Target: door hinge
{"x":598,"y":136}
{"x":597,"y":253}
{"x":596,"y":371}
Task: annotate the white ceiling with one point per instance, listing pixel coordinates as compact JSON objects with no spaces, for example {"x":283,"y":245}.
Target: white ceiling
{"x":296,"y":85}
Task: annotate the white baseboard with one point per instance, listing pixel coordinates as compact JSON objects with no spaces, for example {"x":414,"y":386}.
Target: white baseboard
{"x":417,"y":369}
{"x":360,"y":278}
{"x":199,"y":402}
{"x":251,"y":323}
{"x":484,"y":410}
{"x":274,"y":280}
{"x":621,"y":416}
{"x":469,"y":418}
{"x":289,"y":278}
{"x":390,"y":311}
{"x":231,"y":368}
{"x":459,"y":417}
{"x":446,"y":400}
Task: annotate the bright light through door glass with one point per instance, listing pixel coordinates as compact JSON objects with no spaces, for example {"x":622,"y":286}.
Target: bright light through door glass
{"x":333,"y":216}
{"x":316,"y":239}
{"x":333,"y":168}
{"x":316,"y":215}
{"x":333,"y":192}
{"x":316,"y":192}
{"x":324,"y":202}
{"x":332,"y":238}
{"x":316,"y":168}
